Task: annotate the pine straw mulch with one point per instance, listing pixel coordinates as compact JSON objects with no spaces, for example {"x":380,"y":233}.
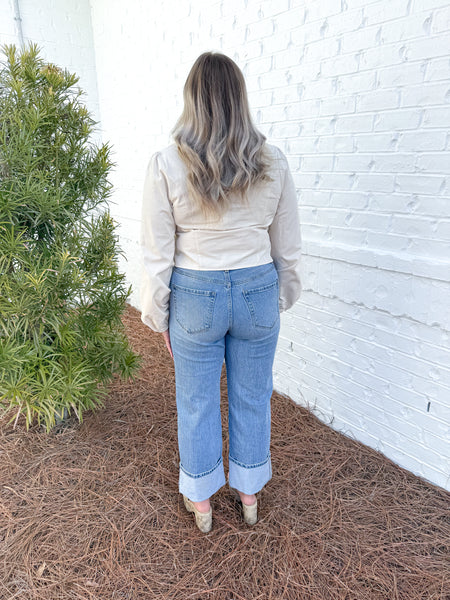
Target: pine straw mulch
{"x":92,"y":510}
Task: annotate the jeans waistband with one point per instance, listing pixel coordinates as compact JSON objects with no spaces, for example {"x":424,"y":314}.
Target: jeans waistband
{"x":223,"y":275}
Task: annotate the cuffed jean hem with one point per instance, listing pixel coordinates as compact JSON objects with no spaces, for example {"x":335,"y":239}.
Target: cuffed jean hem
{"x":249,"y":479}
{"x":201,"y":487}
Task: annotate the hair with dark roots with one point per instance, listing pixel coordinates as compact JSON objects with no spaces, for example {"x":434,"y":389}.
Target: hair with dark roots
{"x":215,"y":136}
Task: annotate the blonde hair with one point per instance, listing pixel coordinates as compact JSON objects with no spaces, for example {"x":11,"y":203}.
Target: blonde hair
{"x":223,"y":151}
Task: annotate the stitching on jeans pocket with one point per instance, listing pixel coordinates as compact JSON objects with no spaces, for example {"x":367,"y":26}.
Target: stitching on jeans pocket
{"x":262,"y":303}
{"x":193,"y":308}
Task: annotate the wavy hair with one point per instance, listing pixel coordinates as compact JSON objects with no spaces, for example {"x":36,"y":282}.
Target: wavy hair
{"x":223,"y":151}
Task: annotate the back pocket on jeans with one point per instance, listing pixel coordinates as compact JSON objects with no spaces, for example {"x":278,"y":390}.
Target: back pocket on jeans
{"x":193,"y":308}
{"x":263,"y":304}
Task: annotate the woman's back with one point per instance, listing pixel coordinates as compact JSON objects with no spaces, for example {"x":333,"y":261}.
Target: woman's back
{"x":262,"y":227}
{"x":239,"y":237}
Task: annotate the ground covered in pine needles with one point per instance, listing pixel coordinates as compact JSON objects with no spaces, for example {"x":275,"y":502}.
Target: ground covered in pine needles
{"x":92,"y":511}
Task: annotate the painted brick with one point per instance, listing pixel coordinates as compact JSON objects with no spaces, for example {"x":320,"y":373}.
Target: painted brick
{"x":426,"y":94}
{"x":437,"y":69}
{"x":377,"y":100}
{"x":436,"y":117}
{"x":380,"y":12}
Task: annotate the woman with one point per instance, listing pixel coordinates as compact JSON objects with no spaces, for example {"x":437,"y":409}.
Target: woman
{"x":221,"y":251}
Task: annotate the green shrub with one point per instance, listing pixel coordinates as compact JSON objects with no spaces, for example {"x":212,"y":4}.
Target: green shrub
{"x":61,"y":293}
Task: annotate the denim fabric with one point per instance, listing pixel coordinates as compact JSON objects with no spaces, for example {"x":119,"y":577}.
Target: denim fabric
{"x":230,"y":315}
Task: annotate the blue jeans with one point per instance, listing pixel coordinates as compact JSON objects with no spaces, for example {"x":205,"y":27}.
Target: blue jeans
{"x":230,"y":315}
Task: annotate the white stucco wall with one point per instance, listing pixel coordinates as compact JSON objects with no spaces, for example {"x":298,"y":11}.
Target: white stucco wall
{"x":356,"y":93}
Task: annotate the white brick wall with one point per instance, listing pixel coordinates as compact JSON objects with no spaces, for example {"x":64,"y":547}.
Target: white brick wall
{"x":357,"y":93}
{"x":63,"y":31}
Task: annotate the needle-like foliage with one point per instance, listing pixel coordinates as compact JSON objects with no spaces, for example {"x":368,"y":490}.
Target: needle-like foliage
{"x":61,"y":292}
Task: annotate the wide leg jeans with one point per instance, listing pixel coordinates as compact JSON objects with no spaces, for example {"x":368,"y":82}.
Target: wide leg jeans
{"x":218,"y":315}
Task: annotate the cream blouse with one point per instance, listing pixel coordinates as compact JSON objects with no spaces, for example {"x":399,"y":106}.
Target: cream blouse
{"x":174,"y":232}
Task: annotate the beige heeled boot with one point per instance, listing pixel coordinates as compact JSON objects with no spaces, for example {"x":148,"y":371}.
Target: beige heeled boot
{"x":203,"y":520}
{"x":250,"y":511}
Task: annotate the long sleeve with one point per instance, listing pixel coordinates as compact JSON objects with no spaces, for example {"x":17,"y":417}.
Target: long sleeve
{"x":157,"y":248}
{"x":285,"y":238}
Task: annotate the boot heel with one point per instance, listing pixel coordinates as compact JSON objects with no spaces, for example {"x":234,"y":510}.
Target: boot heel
{"x":250,"y":512}
{"x":202,"y":520}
